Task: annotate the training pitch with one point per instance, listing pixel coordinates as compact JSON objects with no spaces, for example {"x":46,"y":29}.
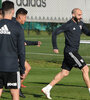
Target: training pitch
{"x":45,"y":65}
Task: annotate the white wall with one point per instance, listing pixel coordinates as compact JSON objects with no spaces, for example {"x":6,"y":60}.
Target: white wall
{"x":53,"y":10}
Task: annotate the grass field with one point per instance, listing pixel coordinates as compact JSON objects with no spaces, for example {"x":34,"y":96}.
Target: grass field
{"x":45,"y":65}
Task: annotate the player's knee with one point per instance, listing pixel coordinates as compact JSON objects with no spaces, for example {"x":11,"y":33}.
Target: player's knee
{"x":29,"y":68}
{"x":14,"y":92}
{"x":66,"y":73}
{"x":85,"y":69}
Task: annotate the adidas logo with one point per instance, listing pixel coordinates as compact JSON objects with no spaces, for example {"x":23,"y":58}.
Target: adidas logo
{"x":74,"y":28}
{"x":4,"y":30}
{"x":80,"y":26}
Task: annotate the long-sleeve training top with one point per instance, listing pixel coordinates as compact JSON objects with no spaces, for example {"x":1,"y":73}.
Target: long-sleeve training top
{"x":31,"y":42}
{"x":72,"y":32}
{"x":12,"y":49}
{"x":27,"y":42}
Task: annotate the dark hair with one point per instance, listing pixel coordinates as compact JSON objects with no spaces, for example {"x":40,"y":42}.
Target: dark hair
{"x":7,"y":5}
{"x":74,"y":10}
{"x":0,"y":11}
{"x":21,"y":11}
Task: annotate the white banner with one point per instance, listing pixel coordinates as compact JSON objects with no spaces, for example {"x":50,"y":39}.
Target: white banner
{"x":53,"y":10}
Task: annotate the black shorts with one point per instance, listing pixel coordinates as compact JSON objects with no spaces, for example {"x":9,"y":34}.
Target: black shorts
{"x":11,"y":80}
{"x":72,"y":59}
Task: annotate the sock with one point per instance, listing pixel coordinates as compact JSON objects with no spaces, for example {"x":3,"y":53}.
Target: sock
{"x":49,"y":87}
{"x":89,"y":90}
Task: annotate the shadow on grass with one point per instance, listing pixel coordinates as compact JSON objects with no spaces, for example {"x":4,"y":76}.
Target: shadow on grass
{"x":6,"y":91}
{"x":34,"y":95}
{"x":66,"y":98}
{"x":69,"y":98}
{"x":54,"y":61}
{"x":4,"y":98}
{"x":44,"y":97}
{"x":58,"y":84}
{"x":57,"y":97}
{"x":37,"y":95}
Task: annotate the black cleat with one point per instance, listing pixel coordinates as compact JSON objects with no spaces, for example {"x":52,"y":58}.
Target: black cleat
{"x":21,"y":94}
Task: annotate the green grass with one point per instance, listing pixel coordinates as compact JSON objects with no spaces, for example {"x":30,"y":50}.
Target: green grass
{"x":70,"y":88}
{"x":45,"y":67}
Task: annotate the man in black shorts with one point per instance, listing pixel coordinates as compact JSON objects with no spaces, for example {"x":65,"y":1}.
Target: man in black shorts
{"x":72,"y":30}
{"x":12,"y":51}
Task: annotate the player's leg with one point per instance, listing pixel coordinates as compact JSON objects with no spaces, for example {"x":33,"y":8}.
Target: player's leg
{"x":15,"y":94}
{"x":84,"y":68}
{"x":13,"y":83}
{"x":27,"y":70}
{"x":57,"y":78}
{"x":85,"y":73}
{"x":1,"y":90}
{"x":66,"y":67}
{"x":1,"y":83}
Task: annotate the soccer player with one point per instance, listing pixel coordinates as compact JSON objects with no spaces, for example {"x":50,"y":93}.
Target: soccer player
{"x":12,"y":49}
{"x":21,"y":14}
{"x":21,"y":18}
{"x":72,"y":30}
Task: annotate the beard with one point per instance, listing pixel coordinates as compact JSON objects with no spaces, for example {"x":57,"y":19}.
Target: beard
{"x":77,"y":19}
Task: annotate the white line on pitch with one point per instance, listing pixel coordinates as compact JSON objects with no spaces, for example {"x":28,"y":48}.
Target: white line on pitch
{"x":37,"y":38}
{"x":44,"y":54}
{"x":47,"y":54}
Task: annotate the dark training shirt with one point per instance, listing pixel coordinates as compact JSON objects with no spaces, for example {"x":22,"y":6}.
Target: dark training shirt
{"x":27,"y":42}
{"x":72,"y":32}
{"x":31,"y":42}
{"x":12,"y":49}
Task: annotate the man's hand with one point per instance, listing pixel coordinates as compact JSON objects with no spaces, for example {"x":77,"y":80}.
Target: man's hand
{"x":39,"y":43}
{"x":22,"y":76}
{"x":25,"y":43}
{"x":55,"y":51}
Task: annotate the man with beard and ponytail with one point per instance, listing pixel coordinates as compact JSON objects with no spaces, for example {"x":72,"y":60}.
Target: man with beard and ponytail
{"x":72,"y":31}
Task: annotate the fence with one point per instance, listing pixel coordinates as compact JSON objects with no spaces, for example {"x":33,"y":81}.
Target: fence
{"x":0,"y":3}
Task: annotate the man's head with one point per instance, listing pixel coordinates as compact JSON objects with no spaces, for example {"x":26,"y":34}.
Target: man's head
{"x":21,"y":14}
{"x":8,"y":8}
{"x":77,"y":14}
{"x":1,"y":16}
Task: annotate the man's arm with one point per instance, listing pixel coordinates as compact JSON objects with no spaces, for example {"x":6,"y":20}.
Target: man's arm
{"x":27,"y":43}
{"x":85,"y":30}
{"x":21,"y":50}
{"x":31,"y":42}
{"x":54,"y":37}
